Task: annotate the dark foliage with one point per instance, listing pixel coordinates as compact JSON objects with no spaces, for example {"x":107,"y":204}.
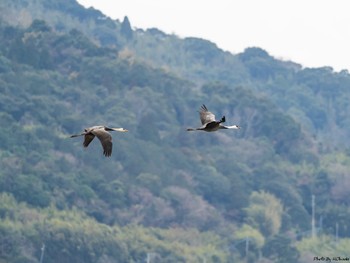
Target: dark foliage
{"x":58,"y":77}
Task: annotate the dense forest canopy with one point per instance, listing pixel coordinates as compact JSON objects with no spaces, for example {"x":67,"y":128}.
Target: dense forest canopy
{"x":165,"y":194}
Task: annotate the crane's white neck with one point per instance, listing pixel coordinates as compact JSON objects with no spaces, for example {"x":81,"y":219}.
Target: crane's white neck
{"x":232,"y":127}
{"x":119,"y":129}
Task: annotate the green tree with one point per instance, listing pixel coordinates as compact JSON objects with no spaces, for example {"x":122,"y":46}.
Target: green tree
{"x":125,"y":29}
{"x":265,"y":212}
{"x":280,"y":249}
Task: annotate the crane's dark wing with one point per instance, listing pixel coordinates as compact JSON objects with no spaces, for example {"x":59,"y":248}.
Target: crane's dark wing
{"x":87,"y":139}
{"x":205,"y":115}
{"x":105,"y":139}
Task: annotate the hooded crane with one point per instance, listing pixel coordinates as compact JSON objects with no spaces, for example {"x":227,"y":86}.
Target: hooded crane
{"x":209,"y":124}
{"x":102,"y":133}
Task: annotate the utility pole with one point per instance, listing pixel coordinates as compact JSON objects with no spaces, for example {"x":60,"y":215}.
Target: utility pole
{"x":246,"y":247}
{"x":313,"y":228}
{"x":320,"y":224}
{"x":42,"y":253}
{"x":336,"y":232}
{"x":150,"y":255}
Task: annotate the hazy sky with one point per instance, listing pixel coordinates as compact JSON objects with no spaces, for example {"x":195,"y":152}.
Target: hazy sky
{"x":314,"y":33}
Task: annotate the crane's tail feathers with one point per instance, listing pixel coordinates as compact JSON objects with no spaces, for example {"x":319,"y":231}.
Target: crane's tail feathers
{"x":223,"y":119}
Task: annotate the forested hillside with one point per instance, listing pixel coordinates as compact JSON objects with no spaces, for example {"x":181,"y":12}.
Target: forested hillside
{"x":165,"y":194}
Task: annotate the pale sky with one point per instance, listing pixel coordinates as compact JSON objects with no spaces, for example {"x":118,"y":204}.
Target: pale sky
{"x":313,"y":33}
